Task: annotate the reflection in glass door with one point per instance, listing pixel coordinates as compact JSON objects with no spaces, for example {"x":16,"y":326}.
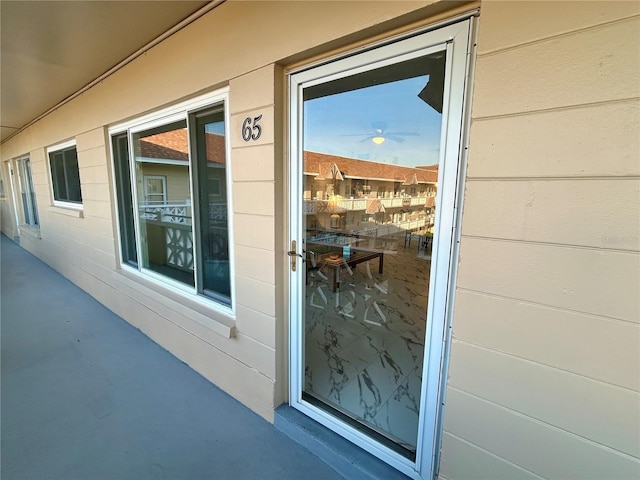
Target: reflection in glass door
{"x":377,"y":143}
{"x":371,"y":150}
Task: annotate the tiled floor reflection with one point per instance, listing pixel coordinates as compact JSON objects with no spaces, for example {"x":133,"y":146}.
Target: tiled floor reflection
{"x":365,"y":342}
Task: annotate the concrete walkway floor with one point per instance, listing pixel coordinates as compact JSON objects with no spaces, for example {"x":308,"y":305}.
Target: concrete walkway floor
{"x":87,"y":396}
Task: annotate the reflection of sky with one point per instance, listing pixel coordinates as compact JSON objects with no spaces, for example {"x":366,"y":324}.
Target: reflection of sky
{"x":333,"y":124}
{"x":215,"y":127}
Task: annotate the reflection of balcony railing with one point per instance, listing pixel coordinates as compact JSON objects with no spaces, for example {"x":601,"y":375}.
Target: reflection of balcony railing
{"x":218,"y":212}
{"x":403,"y":202}
{"x":179,"y":246}
{"x":175,"y":222}
{"x":386,"y":232}
{"x":391,"y":229}
{"x":170,"y":213}
{"x":312,"y":207}
{"x":181,"y":213}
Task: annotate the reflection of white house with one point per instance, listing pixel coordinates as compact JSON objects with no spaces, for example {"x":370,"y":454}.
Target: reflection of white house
{"x":360,"y":195}
{"x":163,"y":178}
{"x":163,"y":160}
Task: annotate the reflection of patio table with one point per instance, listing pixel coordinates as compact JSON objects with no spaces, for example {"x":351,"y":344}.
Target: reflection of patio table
{"x":361,"y":242}
{"x":336,"y":261}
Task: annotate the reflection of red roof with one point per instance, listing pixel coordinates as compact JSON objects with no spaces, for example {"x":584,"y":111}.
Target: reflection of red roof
{"x":171,"y":145}
{"x":174,"y":145}
{"x":215,"y":148}
{"x":317,"y":163}
{"x":374,"y":205}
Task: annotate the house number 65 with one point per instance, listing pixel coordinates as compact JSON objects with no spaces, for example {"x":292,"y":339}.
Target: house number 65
{"x":251,"y":132}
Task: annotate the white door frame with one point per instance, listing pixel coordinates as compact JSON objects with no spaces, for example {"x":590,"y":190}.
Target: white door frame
{"x":455,"y":39}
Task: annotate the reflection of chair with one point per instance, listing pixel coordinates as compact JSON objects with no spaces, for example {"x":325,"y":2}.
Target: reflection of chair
{"x":215,"y":246}
{"x":425,"y":239}
{"x":216,"y":264}
{"x":425,"y":242}
{"x":311,"y":264}
{"x":407,"y":237}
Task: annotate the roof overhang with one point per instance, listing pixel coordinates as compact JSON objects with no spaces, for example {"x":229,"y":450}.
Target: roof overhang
{"x":51,"y":50}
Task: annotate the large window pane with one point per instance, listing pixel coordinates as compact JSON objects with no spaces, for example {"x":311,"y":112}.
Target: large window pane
{"x":212,"y":199}
{"x":166,"y":237}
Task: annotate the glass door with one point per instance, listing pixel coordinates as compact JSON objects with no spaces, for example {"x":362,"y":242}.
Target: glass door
{"x":372,"y":140}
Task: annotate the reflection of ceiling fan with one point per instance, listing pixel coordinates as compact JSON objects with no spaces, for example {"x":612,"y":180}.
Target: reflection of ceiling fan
{"x":379,"y":134}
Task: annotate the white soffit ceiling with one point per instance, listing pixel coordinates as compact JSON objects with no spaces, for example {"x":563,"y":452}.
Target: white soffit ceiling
{"x":49,"y":50}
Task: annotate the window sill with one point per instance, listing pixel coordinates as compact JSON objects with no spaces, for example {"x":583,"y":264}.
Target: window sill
{"x":67,"y":210}
{"x":203,"y":317}
{"x":30,"y":231}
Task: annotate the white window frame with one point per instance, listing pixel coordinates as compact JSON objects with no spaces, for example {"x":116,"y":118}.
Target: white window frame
{"x":162,"y":179}
{"x":455,"y":38}
{"x":60,"y":203}
{"x":174,"y":113}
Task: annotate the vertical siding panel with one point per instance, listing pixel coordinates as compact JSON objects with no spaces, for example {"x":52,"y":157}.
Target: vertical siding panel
{"x":549,"y":262}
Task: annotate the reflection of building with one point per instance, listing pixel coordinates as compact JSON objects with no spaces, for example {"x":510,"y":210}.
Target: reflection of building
{"x":360,"y":195}
{"x":164,"y":197}
{"x":165,"y":156}
{"x":164,"y":162}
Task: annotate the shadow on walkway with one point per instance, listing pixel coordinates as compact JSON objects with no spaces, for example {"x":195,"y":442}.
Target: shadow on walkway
{"x":87,"y":396}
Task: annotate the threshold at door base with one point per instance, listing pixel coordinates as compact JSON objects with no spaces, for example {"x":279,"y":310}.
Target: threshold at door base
{"x":343,"y":456}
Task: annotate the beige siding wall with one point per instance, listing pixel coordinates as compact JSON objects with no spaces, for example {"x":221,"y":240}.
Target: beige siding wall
{"x":545,"y":360}
{"x":238,"y":354}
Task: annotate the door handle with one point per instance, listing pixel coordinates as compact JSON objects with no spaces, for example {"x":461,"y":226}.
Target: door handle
{"x":294,"y":256}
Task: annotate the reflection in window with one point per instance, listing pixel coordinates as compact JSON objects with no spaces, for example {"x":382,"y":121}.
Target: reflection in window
{"x":166,"y":239}
{"x":214,"y":231}
{"x":177,"y":233}
{"x":65,"y":175}
{"x":371,"y":144}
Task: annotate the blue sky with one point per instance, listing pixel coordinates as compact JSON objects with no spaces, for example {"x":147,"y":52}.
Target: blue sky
{"x":331,"y":123}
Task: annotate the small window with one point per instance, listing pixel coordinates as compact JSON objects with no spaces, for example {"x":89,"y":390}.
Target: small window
{"x":173,"y":199}
{"x":155,"y":189}
{"x":65,"y":176}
